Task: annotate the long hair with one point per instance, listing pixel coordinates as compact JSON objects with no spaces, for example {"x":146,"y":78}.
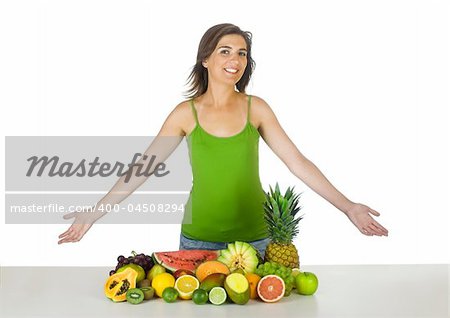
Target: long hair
{"x":198,"y":78}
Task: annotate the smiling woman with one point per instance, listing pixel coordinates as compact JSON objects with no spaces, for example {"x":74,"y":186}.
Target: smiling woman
{"x":222,"y":125}
{"x":217,"y":45}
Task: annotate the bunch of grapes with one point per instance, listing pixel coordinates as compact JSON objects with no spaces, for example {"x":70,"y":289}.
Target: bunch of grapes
{"x":273,"y":268}
{"x":145,"y":261}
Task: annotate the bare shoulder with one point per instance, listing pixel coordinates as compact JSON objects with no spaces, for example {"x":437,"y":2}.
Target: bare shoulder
{"x":179,"y":120}
{"x":260,"y":110}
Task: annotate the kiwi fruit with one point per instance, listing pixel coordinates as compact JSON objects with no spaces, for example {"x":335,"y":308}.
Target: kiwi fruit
{"x":144,"y":283}
{"x":135,"y":296}
{"x":149,"y":292}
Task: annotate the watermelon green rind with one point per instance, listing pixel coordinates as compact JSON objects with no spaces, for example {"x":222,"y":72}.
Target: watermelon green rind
{"x":184,"y":259}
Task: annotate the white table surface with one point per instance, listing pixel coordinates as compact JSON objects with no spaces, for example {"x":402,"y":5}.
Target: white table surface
{"x":344,"y":291}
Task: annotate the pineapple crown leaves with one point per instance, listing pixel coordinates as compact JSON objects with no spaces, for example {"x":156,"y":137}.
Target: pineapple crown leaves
{"x":280,"y":211}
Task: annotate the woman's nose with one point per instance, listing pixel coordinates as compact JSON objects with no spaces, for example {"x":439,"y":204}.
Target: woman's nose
{"x":234,"y":58}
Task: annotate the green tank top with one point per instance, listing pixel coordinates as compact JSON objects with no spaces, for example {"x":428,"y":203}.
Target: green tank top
{"x":226,"y":200}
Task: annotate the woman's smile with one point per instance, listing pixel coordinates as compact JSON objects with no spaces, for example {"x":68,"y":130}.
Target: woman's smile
{"x":231,"y":70}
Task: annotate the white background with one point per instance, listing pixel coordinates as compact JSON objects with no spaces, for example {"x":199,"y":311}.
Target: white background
{"x":361,"y":87}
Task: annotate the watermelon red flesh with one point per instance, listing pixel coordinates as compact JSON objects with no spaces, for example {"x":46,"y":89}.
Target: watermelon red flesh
{"x":184,"y":259}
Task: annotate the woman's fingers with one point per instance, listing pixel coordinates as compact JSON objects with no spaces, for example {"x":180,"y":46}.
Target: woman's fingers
{"x":68,"y":235}
{"x":72,"y":237}
{"x":366,"y":231}
{"x":65,"y":240}
{"x":75,"y":233}
{"x":380,"y":227}
{"x":374,"y":230}
{"x":66,"y":232}
{"x":372,"y":211}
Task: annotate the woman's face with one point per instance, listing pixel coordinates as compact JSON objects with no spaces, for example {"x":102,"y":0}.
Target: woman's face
{"x":228,"y":61}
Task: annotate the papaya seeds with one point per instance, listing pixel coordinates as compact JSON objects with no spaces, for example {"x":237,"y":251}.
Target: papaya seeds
{"x":135,"y":296}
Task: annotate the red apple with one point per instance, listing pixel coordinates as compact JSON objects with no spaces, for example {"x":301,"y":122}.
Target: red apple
{"x":181,"y":272}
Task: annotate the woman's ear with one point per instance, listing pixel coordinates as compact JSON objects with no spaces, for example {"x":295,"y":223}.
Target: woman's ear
{"x":205,"y":64}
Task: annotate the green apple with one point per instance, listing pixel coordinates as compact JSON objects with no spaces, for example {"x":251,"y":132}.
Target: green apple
{"x":306,"y":283}
{"x":155,"y":270}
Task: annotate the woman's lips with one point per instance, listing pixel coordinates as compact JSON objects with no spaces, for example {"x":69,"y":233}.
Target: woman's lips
{"x":231,"y":70}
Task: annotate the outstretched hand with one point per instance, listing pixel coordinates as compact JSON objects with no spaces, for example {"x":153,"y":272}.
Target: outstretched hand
{"x":360,"y":215}
{"x":82,"y":223}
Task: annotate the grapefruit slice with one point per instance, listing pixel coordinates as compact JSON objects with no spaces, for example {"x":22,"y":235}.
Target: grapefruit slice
{"x":271,"y":288}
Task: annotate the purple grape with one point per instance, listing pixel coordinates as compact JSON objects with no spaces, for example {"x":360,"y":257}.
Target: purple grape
{"x":112,"y":272}
{"x":120,"y":258}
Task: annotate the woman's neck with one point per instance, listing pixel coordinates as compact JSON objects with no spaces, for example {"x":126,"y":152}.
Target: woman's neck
{"x":219,"y":96}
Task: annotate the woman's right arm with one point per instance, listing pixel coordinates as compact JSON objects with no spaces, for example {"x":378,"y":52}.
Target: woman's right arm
{"x":162,"y":146}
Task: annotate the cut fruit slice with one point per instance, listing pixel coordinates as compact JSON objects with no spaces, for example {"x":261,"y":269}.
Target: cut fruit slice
{"x":211,"y":267}
{"x":238,"y":288}
{"x":217,"y":296}
{"x":184,"y":259}
{"x":271,"y":288}
{"x":239,"y":255}
{"x":239,"y":246}
{"x":213,"y":280}
{"x":232,"y":248}
{"x":135,"y":296}
{"x":185,"y":285}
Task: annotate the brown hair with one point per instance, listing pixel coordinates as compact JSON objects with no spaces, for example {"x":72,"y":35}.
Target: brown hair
{"x":199,"y":74}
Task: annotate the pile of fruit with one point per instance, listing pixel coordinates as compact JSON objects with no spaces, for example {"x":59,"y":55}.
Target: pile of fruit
{"x":237,"y":273}
{"x":201,"y":275}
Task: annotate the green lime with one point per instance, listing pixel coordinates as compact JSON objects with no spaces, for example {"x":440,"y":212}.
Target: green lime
{"x":170,"y":294}
{"x":200,"y":296}
{"x":217,"y":295}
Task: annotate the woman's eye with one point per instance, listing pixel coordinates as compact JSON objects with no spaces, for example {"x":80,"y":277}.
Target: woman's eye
{"x":224,"y":51}
{"x":243,"y":54}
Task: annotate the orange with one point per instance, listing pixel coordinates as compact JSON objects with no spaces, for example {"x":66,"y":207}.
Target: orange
{"x":185,"y":285}
{"x":253,"y":280}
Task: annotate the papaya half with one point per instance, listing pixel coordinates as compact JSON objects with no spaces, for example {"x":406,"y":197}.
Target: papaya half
{"x":117,"y":285}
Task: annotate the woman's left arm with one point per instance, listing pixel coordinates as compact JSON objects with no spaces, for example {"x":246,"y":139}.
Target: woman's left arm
{"x":277,"y":140}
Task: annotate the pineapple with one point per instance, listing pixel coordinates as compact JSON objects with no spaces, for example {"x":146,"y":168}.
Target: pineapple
{"x":279,"y":214}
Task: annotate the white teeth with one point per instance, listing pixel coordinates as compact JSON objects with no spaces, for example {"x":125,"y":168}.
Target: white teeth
{"x":231,"y":70}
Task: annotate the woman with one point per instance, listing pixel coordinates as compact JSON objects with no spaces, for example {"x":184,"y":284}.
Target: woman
{"x":222,"y":125}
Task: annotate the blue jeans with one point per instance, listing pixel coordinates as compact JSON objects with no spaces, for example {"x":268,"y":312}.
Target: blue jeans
{"x":190,"y":244}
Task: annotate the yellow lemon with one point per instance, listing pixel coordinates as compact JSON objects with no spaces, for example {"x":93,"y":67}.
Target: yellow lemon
{"x":161,"y":282}
{"x":186,"y":285}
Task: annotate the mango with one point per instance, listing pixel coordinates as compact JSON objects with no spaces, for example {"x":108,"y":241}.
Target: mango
{"x":213,"y":280}
{"x":238,"y":288}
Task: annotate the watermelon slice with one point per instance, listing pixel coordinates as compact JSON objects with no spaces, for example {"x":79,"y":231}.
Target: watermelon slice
{"x":184,"y":259}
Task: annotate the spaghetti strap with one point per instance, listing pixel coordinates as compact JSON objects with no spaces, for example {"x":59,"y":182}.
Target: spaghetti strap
{"x":194,"y":111}
{"x":248,"y":107}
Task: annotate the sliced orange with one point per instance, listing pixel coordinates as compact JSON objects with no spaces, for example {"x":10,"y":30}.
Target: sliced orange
{"x":253,"y":280}
{"x":185,"y":285}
